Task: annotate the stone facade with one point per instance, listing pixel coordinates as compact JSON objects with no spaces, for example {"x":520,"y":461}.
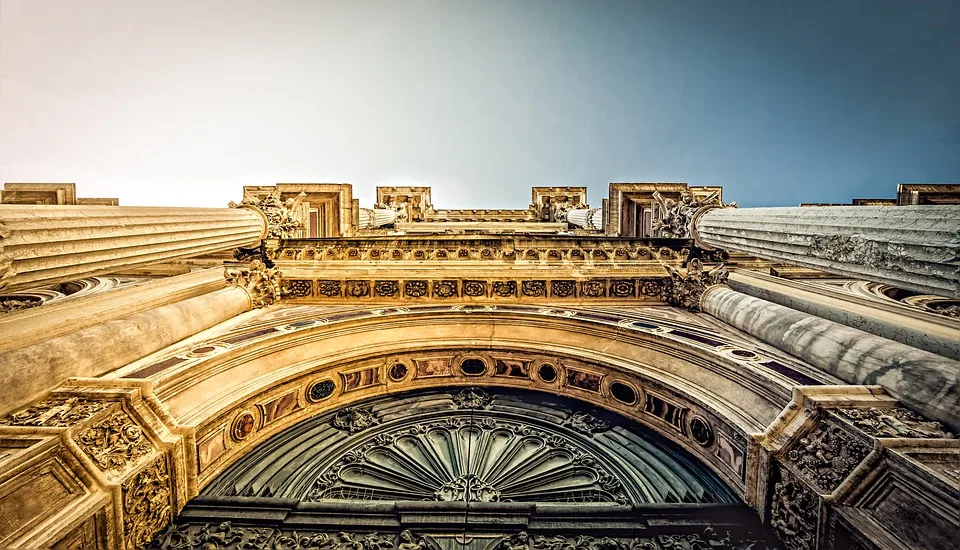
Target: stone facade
{"x":148,"y":395}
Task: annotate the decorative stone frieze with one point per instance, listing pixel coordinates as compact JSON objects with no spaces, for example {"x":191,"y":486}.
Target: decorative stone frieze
{"x":55,"y":412}
{"x":115,"y":444}
{"x":649,"y":289}
{"x":685,"y":290}
{"x":676,"y":217}
{"x":17,"y":303}
{"x":147,"y":504}
{"x":260,"y":282}
{"x":507,"y":250}
{"x":893,"y":422}
{"x":280,"y":215}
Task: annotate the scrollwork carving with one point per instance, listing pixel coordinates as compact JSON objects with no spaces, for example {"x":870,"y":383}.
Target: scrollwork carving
{"x":586,"y":423}
{"x":147,"y":503}
{"x":472,"y":398}
{"x":894,"y":422}
{"x":58,"y":412}
{"x":225,"y":535}
{"x":354,"y":420}
{"x":260,"y":282}
{"x":114,"y":443}
{"x":827,"y":455}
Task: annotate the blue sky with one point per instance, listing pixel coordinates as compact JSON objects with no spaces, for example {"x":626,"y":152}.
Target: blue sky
{"x":181,"y":103}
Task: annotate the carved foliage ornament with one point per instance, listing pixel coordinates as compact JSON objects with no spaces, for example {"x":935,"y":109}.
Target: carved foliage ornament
{"x":114,"y":443}
{"x":59,"y":412}
{"x":282,"y":222}
{"x":147,"y":505}
{"x":586,"y":423}
{"x":894,"y":422}
{"x":472,"y":398}
{"x":827,"y":455}
{"x":261,"y":282}
{"x":794,"y":513}
{"x":676,"y":217}
{"x":685,"y":290}
{"x":355,"y":420}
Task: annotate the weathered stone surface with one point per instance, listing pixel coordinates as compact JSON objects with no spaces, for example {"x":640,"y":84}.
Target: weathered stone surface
{"x":913,"y":247}
{"x":922,"y":380}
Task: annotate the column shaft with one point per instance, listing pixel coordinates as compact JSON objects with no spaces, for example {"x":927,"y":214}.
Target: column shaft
{"x":28,"y":372}
{"x":894,"y":322}
{"x":926,"y":382}
{"x":45,"y":244}
{"x":913,"y":247}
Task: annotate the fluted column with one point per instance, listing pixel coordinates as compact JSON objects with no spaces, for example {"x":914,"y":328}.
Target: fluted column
{"x":912,"y":247}
{"x":372,"y":218}
{"x":42,"y":244}
{"x":926,"y":382}
{"x":591,"y":218}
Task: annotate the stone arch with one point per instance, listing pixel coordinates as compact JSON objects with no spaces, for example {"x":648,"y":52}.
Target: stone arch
{"x":705,"y":391}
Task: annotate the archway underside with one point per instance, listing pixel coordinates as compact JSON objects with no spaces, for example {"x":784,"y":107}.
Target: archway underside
{"x":471,"y":469}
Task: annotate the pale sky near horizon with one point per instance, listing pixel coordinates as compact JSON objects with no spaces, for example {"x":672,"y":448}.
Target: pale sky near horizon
{"x":183,"y":102}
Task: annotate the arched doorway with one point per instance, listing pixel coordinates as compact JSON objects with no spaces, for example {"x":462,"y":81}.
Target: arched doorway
{"x":467,"y":468}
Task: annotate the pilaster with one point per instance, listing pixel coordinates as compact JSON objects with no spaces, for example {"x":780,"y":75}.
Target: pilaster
{"x":95,"y":464}
{"x":849,"y":467}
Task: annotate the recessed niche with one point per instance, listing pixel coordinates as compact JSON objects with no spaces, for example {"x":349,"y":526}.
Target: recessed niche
{"x":321,"y":390}
{"x":547,"y":372}
{"x":623,"y":393}
{"x":473,"y":367}
{"x":397,"y":372}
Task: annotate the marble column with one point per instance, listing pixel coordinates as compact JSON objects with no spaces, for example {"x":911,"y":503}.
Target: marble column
{"x":912,"y":247}
{"x":27,"y":372}
{"x":926,"y":382}
{"x":927,"y":331}
{"x":42,"y":244}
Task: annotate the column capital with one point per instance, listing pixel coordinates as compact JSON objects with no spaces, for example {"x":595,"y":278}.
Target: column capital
{"x":678,"y":219}
{"x":279,"y":216}
{"x":262,"y":283}
{"x":686,"y":290}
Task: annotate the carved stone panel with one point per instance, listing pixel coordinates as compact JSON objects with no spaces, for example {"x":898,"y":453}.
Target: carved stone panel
{"x":147,"y":504}
{"x":58,"y":412}
{"x":794,"y":512}
{"x":114,"y":444}
{"x":827,"y":455}
{"x":893,"y":422}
